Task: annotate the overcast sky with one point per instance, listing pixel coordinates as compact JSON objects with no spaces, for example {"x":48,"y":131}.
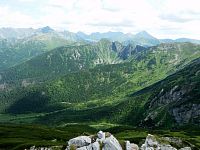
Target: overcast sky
{"x":161,"y":18}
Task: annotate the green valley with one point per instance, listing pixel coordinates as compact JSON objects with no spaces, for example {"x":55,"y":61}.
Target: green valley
{"x":59,"y":84}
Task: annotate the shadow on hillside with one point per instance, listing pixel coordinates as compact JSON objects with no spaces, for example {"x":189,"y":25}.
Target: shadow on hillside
{"x":32,"y":103}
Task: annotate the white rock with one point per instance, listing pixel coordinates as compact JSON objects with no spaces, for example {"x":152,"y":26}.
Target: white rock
{"x":32,"y":148}
{"x":82,"y":148}
{"x":67,"y":148}
{"x":131,"y":146}
{"x":111,"y":143}
{"x":143,"y":147}
{"x":186,"y":148}
{"x":151,"y":141}
{"x":80,"y":141}
{"x":101,"y":135}
{"x":167,"y":147}
{"x":92,"y":146}
{"x":152,"y":144}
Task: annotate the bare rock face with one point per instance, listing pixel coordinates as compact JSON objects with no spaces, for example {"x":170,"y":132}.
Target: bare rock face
{"x":80,"y":141}
{"x":181,"y":109}
{"x":185,"y":113}
{"x":166,"y":97}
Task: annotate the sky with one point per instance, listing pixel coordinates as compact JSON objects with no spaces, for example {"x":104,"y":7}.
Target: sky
{"x":161,"y":18}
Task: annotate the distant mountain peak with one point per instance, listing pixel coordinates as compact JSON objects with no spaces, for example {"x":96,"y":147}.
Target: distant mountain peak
{"x":144,"y":34}
{"x":46,"y":29}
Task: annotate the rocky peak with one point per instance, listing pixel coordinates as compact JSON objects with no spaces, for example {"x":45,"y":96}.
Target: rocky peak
{"x":144,"y":34}
{"x":46,"y":29}
{"x":126,"y":51}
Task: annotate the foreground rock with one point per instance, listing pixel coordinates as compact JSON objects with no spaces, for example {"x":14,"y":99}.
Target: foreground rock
{"x":131,"y":146}
{"x":80,"y":141}
{"x":186,"y":148}
{"x":92,"y":146}
{"x":111,"y":143}
{"x":106,"y":141}
{"x":101,"y":141}
{"x":151,"y":143}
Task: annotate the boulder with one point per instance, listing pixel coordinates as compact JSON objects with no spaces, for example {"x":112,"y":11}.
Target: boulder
{"x":166,"y":147}
{"x":151,"y":141}
{"x":111,"y":143}
{"x":92,"y":146}
{"x":101,"y":135}
{"x":80,"y":141}
{"x":131,"y":146}
{"x":186,"y":148}
{"x":173,"y":140}
{"x":152,"y":144}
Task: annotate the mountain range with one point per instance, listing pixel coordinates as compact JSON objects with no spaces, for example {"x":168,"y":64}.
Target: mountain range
{"x":20,"y":44}
{"x":47,"y":73}
{"x":143,"y":37}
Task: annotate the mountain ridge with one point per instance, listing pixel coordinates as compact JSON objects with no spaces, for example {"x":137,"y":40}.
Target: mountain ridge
{"x":95,"y":36}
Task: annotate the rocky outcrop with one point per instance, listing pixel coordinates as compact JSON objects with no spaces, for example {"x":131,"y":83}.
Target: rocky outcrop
{"x":92,"y":146}
{"x":187,"y":113}
{"x":174,"y":141}
{"x":101,"y":136}
{"x":151,"y":143}
{"x":111,"y":143}
{"x":131,"y":146}
{"x":126,"y":51}
{"x":101,"y":141}
{"x":166,"y":97}
{"x":182,"y":106}
{"x":106,"y":141}
{"x":80,"y":141}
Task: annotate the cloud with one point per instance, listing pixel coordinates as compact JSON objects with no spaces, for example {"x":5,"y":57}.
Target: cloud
{"x":10,"y":18}
{"x":175,"y":18}
{"x":27,"y":1}
{"x":160,"y":17}
{"x":180,"y":10}
{"x":125,"y":23}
